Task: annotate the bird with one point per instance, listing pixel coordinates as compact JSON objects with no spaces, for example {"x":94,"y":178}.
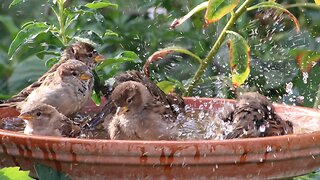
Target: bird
{"x":173,"y":102}
{"x":81,"y":51}
{"x":67,"y":89}
{"x":140,"y":115}
{"x":43,"y":119}
{"x":255,"y":116}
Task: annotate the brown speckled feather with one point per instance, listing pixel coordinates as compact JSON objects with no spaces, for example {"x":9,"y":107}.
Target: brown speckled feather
{"x":254,"y":116}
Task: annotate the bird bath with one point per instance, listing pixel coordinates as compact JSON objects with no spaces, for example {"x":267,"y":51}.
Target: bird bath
{"x":268,"y":157}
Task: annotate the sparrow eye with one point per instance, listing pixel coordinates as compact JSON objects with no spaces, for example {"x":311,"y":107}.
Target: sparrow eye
{"x":129,"y":101}
{"x":90,"y":54}
{"x":38,"y":114}
{"x":74,"y":73}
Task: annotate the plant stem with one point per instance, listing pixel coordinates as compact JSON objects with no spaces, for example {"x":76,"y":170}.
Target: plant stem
{"x":308,"y":5}
{"x":61,"y":20}
{"x":216,"y":46}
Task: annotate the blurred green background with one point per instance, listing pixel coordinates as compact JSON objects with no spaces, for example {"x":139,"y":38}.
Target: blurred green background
{"x":143,"y":27}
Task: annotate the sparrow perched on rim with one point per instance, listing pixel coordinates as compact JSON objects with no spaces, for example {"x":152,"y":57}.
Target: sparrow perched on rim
{"x":254,"y":116}
{"x":174,"y":103}
{"x":67,"y":89}
{"x":140,"y":115}
{"x":81,"y":51}
{"x":43,"y":119}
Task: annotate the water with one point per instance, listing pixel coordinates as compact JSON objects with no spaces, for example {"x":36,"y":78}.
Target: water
{"x":200,"y":124}
{"x":196,"y":124}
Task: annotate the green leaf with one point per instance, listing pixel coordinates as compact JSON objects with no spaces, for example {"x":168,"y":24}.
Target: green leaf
{"x":158,"y":55}
{"x":110,"y":33}
{"x":10,"y":173}
{"x":306,"y":59}
{"x":48,"y":173}
{"x":98,"y":5}
{"x":24,"y":73}
{"x":96,"y":95}
{"x":26,"y":35}
{"x":275,"y":5}
{"x":125,"y":56}
{"x":219,"y":8}
{"x":15,"y":2}
{"x":88,"y":35}
{"x":167,"y":86}
{"x":239,"y":54}
{"x":49,"y":50}
{"x":50,"y":62}
{"x":71,"y":17}
{"x":196,"y":9}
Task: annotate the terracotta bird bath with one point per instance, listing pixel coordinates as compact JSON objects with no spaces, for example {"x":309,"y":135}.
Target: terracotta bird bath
{"x":254,"y":158}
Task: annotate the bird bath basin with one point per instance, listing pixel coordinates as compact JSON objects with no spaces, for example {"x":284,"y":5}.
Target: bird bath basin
{"x":268,"y":157}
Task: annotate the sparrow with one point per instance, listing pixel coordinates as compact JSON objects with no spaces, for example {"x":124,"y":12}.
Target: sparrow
{"x":173,"y":102}
{"x":43,"y":119}
{"x":81,"y":51}
{"x":67,"y":89}
{"x":254,"y":116}
{"x":140,"y":115}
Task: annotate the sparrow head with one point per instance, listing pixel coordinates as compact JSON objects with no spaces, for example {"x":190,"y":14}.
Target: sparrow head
{"x":83,"y":52}
{"x":129,"y":96}
{"x":75,"y":69}
{"x":39,"y":113}
{"x":256,"y":101}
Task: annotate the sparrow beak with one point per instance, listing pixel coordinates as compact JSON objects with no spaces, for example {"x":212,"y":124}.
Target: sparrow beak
{"x":122,"y":110}
{"x":99,"y":58}
{"x":85,"y":76}
{"x":25,"y":116}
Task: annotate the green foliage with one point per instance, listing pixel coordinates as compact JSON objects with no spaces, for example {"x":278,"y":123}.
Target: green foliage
{"x":98,"y":5}
{"x":11,"y":173}
{"x":47,"y":173}
{"x":29,"y":31}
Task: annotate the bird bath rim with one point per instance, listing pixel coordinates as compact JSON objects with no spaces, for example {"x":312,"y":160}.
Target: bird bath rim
{"x":286,"y":156}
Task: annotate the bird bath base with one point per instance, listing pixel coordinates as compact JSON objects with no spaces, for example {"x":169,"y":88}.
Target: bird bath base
{"x":254,"y":158}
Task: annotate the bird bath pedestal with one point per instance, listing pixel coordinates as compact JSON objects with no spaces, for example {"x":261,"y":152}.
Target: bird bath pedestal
{"x":254,"y":158}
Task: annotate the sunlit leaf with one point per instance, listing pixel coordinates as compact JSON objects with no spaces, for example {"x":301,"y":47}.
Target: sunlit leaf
{"x":125,"y":56}
{"x":239,"y":54}
{"x":15,"y":2}
{"x":14,"y":173}
{"x":158,"y":55}
{"x":306,"y":59}
{"x":279,"y":7}
{"x":98,"y":5}
{"x":198,"y":8}
{"x":219,"y":8}
{"x":27,"y":34}
{"x":48,"y":173}
{"x":167,"y":86}
{"x":317,"y":2}
{"x":110,"y":33}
